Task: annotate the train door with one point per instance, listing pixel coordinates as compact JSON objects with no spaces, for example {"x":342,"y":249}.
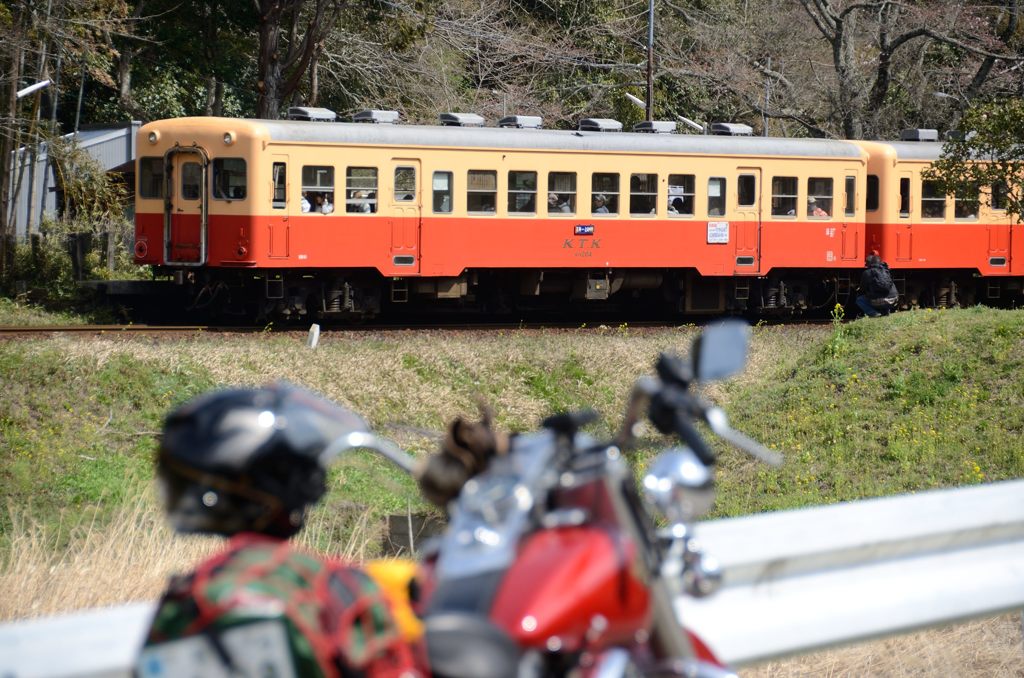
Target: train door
{"x":280,"y":223}
{"x":748,"y":220}
{"x":404,"y":209}
{"x":852,"y":232}
{"x":186,"y":204}
{"x":903,"y":222}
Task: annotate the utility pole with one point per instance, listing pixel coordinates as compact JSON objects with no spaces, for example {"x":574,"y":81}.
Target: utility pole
{"x":650,"y":60}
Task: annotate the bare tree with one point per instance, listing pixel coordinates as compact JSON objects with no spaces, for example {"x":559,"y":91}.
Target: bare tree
{"x":291,"y":37}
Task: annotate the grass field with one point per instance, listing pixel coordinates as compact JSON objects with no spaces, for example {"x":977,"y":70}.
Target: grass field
{"x":911,"y":402}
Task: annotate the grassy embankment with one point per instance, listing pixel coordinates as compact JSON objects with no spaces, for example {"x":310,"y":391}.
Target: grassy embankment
{"x":916,"y":401}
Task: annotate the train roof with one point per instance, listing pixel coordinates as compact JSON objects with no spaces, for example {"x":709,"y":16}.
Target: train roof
{"x":530,"y":139}
{"x":926,"y":151}
{"x":574,"y":140}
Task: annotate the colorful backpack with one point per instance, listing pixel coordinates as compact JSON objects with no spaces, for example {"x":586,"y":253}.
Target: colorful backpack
{"x":262,"y":608}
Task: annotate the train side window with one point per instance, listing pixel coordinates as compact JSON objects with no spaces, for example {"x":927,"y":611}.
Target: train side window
{"x":643,"y":194}
{"x":317,"y":189}
{"x":191,"y":180}
{"x":405,"y":184}
{"x":522,"y":192}
{"x":361,"y":190}
{"x":784,"y":196}
{"x":604,"y":193}
{"x":746,"y":190}
{"x":851,"y":196}
{"x":442,"y":188}
{"x":905,"y":197}
{"x":819,"y":197}
{"x":871,"y":199}
{"x":481,"y":191}
{"x":965,"y":206}
{"x":562,"y":185}
{"x":716,"y":197}
{"x":151,"y":177}
{"x":279,"y":174}
{"x":998,"y":192}
{"x":229,"y":179}
{"x":681,"y":188}
{"x":933,"y":203}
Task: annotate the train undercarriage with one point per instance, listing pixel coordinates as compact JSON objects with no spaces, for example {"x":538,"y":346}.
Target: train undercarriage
{"x":315,"y":295}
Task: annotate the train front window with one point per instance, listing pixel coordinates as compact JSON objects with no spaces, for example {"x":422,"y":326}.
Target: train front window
{"x":151,"y":177}
{"x":681,"y":188}
{"x":604,"y":197}
{"x":279,"y":175}
{"x":522,"y":192}
{"x":442,"y":188}
{"x":965,"y":205}
{"x":405,"y":184}
{"x":643,"y":194}
{"x":191,"y":180}
{"x":933,"y":203}
{"x":819,"y":198}
{"x":229,"y":179}
{"x":562,"y":193}
{"x":361,"y":189}
{"x":716,"y":197}
{"x":317,"y":189}
{"x":481,"y":191}
{"x":784,"y":196}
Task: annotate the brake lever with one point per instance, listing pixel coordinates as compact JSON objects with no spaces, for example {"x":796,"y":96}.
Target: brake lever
{"x":718,"y":422}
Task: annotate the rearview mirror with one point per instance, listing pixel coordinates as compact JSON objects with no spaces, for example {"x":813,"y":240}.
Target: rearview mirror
{"x":720,"y":350}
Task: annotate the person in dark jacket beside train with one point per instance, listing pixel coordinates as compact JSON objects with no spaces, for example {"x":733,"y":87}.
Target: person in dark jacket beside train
{"x":878,"y":294}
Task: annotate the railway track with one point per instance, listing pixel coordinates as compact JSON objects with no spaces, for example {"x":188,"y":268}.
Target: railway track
{"x":13,"y":331}
{"x":34,"y":330}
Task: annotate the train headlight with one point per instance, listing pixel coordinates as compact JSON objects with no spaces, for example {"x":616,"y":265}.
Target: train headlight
{"x":141,"y":249}
{"x":154,"y":137}
{"x":229,"y":138}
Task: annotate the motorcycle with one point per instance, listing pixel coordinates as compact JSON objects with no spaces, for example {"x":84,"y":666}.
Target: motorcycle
{"x":554,"y":563}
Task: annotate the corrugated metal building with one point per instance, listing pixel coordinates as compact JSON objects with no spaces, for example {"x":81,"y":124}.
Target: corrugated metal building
{"x":38,"y":193}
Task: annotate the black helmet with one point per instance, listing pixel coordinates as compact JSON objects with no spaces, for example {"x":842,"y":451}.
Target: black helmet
{"x":248,"y":459}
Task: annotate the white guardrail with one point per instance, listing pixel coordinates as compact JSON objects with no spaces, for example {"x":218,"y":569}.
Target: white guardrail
{"x":795,"y":581}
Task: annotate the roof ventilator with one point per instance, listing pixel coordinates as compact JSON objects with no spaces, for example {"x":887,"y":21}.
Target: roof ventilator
{"x":313,"y":114}
{"x":521,"y":121}
{"x":600,"y":125}
{"x":461,"y":120}
{"x":376,"y":117}
{"x":919,"y":135}
{"x":655,"y":127}
{"x":731,"y":129}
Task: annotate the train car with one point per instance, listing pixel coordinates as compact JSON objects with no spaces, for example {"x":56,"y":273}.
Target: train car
{"x":943,"y":250}
{"x":509,"y":218}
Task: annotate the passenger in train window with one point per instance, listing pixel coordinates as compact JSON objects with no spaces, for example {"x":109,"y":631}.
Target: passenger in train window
{"x":676,"y":206}
{"x":813,"y":209}
{"x":323,"y":203}
{"x":600,"y":204}
{"x":557,"y":205}
{"x":304,"y":204}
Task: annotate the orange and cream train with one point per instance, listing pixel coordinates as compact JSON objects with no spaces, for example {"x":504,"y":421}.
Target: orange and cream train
{"x":334,"y":220}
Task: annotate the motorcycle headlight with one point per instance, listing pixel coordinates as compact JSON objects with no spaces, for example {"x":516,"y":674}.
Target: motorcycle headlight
{"x":679,"y":485}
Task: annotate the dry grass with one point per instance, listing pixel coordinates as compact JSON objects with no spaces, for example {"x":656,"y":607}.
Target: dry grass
{"x":985,"y":647}
{"x":128,"y":560}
